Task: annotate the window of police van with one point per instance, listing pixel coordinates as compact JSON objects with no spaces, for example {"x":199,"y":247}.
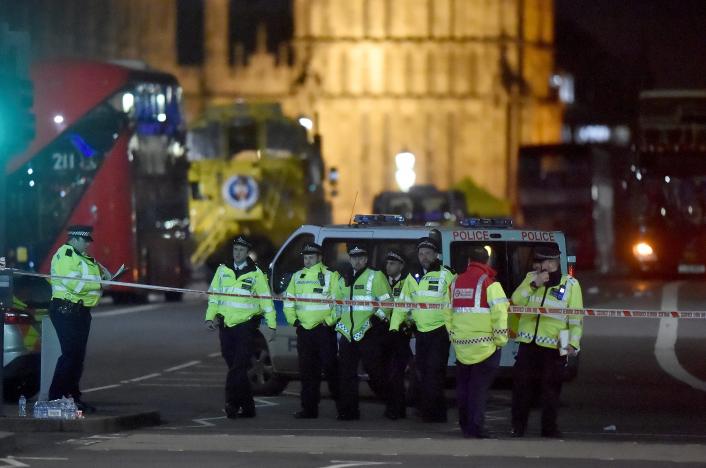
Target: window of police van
{"x":406,"y":247}
{"x":289,"y":263}
{"x":336,"y":253}
{"x":511,"y":260}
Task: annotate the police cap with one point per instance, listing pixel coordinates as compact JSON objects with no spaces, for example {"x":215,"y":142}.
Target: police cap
{"x":549,"y":252}
{"x":395,"y":256}
{"x":242,"y":240}
{"x":357,"y":250}
{"x":80,"y":230}
{"x":427,"y":243}
{"x":311,"y":248}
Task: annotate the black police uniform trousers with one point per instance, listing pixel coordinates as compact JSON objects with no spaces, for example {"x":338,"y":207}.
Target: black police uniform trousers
{"x":536,"y":364}
{"x":399,"y":356}
{"x":72,"y":322}
{"x":432,"y":360}
{"x":317,"y":353}
{"x":472,"y":384}
{"x":370,"y":350}
{"x":237,"y":349}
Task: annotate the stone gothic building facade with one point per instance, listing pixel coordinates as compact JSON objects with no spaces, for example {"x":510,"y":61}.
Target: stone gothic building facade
{"x":459,"y":83}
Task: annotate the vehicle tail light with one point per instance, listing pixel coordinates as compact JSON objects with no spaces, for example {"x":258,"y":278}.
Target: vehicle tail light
{"x":14,"y":317}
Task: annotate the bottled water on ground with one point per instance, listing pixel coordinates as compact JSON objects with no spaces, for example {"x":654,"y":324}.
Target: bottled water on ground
{"x":22,"y":406}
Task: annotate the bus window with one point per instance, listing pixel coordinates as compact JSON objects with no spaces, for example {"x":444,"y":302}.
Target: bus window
{"x":289,"y":262}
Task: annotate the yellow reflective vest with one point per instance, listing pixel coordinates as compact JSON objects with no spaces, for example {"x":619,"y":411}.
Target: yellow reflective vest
{"x":367,"y":285}
{"x":544,"y":330}
{"x":432,"y":287}
{"x":315,"y":282}
{"x":67,"y":261}
{"x":479,"y":321}
{"x":237,"y":310}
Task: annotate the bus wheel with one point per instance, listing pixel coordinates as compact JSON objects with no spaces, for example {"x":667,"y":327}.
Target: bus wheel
{"x":173,"y":296}
{"x":263,"y":379}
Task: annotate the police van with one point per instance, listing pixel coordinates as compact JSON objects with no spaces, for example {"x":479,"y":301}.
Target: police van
{"x":511,"y":254}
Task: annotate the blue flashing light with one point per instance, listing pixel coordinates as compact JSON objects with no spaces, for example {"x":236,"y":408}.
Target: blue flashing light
{"x":379,"y":219}
{"x":486,"y":223}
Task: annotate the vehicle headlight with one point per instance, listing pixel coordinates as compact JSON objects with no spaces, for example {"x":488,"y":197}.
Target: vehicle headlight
{"x":644,"y":252}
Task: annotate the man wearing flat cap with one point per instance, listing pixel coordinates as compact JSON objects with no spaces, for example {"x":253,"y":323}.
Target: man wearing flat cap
{"x":70,"y":309}
{"x":359,"y":326}
{"x":541,"y":353}
{"x":430,"y":284}
{"x":316,"y":338}
{"x":237,"y":317}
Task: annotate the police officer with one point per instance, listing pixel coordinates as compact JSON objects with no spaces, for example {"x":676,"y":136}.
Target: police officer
{"x":237,"y":318}
{"x":431,"y":284}
{"x":478,"y":331}
{"x":361,"y":327}
{"x":397,"y":350}
{"x":316,"y":338}
{"x":539,"y":338}
{"x":70,"y":310}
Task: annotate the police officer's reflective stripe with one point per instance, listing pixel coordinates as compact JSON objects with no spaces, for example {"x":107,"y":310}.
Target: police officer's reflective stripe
{"x":327,"y":282}
{"x":479,"y":290}
{"x":240,"y":305}
{"x":471,"y":310}
{"x":427,"y":293}
{"x":498,"y":300}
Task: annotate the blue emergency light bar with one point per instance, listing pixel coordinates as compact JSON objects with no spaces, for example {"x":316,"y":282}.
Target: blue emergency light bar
{"x":380,"y":219}
{"x":486,"y":223}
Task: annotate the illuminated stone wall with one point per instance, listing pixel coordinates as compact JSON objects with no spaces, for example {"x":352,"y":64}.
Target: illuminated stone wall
{"x":448,"y":80}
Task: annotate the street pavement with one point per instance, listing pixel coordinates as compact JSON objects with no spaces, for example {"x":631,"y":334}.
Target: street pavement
{"x":636,"y":400}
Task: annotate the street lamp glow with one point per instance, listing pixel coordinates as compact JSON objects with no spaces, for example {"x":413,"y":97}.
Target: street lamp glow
{"x":405,"y":175}
{"x":306,"y":122}
{"x":58,"y":119}
{"x":405,"y":160}
{"x":405,"y":179}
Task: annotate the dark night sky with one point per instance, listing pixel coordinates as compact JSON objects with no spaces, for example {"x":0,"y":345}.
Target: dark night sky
{"x":669,"y":35}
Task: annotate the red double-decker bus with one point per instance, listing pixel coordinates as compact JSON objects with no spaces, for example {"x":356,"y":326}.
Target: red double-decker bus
{"x":108,"y":152}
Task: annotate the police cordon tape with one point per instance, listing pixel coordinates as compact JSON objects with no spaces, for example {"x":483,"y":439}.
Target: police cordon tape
{"x":608,"y":313}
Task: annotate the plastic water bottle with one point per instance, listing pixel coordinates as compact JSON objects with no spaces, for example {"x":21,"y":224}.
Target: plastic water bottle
{"x":54,"y":409}
{"x":69,"y":408}
{"x":22,"y":406}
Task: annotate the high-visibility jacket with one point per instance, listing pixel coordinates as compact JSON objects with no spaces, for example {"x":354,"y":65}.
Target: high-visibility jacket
{"x":67,"y":261}
{"x":367,"y":285}
{"x":520,"y":298}
{"x":430,"y":287}
{"x":315,"y":282}
{"x":479,"y":321}
{"x":236,"y":310}
{"x":544,"y":330}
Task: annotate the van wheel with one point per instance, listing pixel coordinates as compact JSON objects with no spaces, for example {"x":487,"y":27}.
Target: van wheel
{"x":263,"y":379}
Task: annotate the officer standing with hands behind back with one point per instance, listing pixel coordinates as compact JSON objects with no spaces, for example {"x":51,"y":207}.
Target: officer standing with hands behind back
{"x":70,"y":310}
{"x":316,"y":338}
{"x":237,"y":319}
